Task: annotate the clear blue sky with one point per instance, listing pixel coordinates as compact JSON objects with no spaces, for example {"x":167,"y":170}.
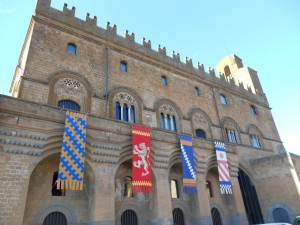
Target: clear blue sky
{"x":264,"y":33}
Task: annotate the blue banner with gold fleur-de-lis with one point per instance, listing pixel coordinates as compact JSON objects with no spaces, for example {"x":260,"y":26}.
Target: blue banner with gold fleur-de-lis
{"x":71,"y":167}
{"x":188,"y":167}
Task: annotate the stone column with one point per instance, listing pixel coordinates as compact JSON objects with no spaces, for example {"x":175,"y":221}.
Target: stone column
{"x":103,"y":206}
{"x":204,"y":216}
{"x":240,"y":216}
{"x":14,"y":182}
{"x":162,"y":214}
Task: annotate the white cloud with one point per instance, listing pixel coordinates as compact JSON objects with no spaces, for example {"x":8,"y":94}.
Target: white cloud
{"x":6,"y":11}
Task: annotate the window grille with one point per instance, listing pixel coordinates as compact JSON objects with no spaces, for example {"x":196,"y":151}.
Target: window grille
{"x":55,"y":218}
{"x":200,"y":133}
{"x":68,"y":104}
{"x":178,"y":217}
{"x":216,"y":216}
{"x":129,"y":218}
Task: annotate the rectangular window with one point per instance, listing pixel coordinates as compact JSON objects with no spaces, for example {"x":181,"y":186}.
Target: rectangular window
{"x":209,"y":189}
{"x":174,"y":189}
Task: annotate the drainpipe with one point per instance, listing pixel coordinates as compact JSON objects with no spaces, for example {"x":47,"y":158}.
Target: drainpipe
{"x":217,"y":110}
{"x":106,"y":81}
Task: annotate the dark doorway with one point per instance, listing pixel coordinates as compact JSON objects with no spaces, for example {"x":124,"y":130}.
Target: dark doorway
{"x":280,"y":215}
{"x":129,"y":218}
{"x":178,"y":217}
{"x":216,"y":216}
{"x":250,"y":198}
{"x":55,"y":218}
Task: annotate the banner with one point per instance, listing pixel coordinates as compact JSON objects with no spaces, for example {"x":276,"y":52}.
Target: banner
{"x":188,"y":167}
{"x":141,"y":160}
{"x":224,"y":176}
{"x":71,"y":167}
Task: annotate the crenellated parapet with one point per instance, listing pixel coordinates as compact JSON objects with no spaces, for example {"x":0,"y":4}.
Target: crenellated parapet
{"x":109,"y":34}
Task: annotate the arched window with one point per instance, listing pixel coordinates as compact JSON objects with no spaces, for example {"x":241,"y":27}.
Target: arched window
{"x":167,"y":117}
{"x":253,"y":110}
{"x":200,"y":133}
{"x":231,"y":130}
{"x":174,"y":123}
{"x":178,"y":217}
{"x":216,"y":216}
{"x":231,"y":136}
{"x":123,"y":66}
{"x":227,"y":71}
{"x":129,"y":218}
{"x":54,"y":190}
{"x":128,"y":187}
{"x":174,"y":189}
{"x":124,"y":112}
{"x":55,"y":218}
{"x":168,"y":122}
{"x":162,"y":120}
{"x":68,"y":104}
{"x":132,"y":114}
{"x":280,"y":215}
{"x":223,"y":99}
{"x":164,"y":80}
{"x":71,"y":48}
{"x":255,"y":142}
{"x":255,"y":136}
{"x":118,"y":111}
{"x":125,"y":107}
{"x":197,"y":91}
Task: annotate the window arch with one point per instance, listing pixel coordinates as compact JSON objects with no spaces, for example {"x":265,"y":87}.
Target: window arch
{"x":123,"y":66}
{"x":55,"y":218}
{"x":231,"y":130}
{"x":68,"y":104}
{"x":223,"y":99}
{"x":255,"y":136}
{"x":200,"y":133}
{"x":167,"y":118}
{"x":71,"y":48}
{"x":125,"y":107}
{"x":255,"y":142}
{"x":200,"y":121}
{"x":68,"y":86}
{"x":168,"y":115}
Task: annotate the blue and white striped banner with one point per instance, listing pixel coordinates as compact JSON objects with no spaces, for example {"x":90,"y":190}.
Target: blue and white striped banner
{"x":188,"y":167}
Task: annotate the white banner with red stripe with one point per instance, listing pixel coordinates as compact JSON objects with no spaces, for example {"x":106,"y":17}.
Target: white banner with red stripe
{"x":224,"y":176}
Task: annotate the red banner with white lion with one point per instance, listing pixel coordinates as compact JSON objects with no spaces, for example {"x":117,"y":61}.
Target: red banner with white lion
{"x":141,"y":160}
